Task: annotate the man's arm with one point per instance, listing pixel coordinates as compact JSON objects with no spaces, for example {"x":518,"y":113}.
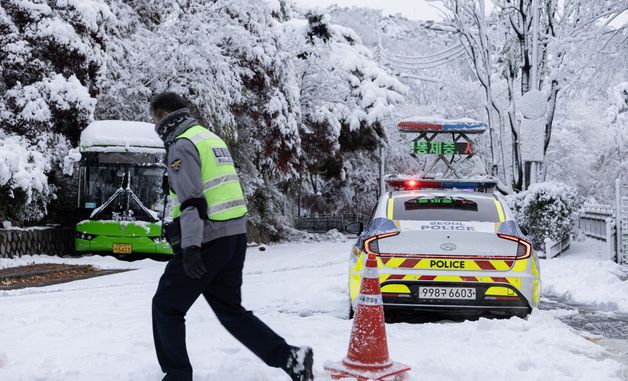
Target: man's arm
{"x":184,"y":175}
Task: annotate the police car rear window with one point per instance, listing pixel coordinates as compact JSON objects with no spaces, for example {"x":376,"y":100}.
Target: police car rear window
{"x":445,"y":208}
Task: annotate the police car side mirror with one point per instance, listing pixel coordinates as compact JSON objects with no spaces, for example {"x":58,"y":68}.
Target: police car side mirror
{"x":524,"y":230}
{"x":354,"y":228}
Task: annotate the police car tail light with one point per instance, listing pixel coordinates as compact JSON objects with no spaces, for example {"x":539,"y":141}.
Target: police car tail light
{"x":371,"y":246}
{"x":524,"y":248}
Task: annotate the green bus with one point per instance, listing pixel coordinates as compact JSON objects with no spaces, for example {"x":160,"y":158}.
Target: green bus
{"x":120,"y":196}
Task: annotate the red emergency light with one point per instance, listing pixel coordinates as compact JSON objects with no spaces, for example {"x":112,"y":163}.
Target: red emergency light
{"x":410,"y":184}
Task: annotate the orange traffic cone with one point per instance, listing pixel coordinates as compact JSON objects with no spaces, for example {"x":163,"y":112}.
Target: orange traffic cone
{"x":367,"y":357}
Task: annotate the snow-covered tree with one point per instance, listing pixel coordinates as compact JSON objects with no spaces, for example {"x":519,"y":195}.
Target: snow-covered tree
{"x":229,"y":60}
{"x":51,"y":59}
{"x":500,"y":45}
{"x":345,"y":96}
{"x":589,"y":146}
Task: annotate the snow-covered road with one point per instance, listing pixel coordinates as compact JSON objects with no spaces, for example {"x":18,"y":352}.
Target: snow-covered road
{"x":100,"y":328}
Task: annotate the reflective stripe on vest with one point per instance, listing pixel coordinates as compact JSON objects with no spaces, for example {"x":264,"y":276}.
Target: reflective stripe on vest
{"x":225,"y":206}
{"x":207,"y":185}
{"x":221,"y":186}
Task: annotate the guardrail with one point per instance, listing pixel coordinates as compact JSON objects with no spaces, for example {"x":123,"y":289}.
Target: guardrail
{"x":326,"y":222}
{"x":553,"y":248}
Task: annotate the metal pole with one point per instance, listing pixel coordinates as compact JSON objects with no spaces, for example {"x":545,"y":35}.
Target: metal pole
{"x":534,"y":81}
{"x":618,"y":217}
{"x":535,"y":45}
{"x":609,"y":238}
{"x":382,"y":188}
{"x":378,"y":59}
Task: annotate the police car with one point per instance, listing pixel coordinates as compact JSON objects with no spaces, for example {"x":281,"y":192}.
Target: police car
{"x":447,"y":246}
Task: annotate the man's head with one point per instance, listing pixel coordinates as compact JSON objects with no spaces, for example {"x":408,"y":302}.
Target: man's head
{"x":165,"y":103}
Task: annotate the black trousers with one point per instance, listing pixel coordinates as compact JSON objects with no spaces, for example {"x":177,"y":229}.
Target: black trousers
{"x":224,"y":258}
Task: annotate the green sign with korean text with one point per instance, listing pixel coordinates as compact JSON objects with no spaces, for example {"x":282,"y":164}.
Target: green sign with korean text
{"x":442,"y":148}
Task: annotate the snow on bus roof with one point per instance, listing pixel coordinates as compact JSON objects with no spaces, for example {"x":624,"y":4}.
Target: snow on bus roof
{"x":120,"y":133}
{"x":430,"y":123}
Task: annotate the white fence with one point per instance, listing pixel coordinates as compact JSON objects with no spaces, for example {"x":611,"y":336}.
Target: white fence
{"x":598,"y":221}
{"x":609,"y":223}
{"x":552,"y":248}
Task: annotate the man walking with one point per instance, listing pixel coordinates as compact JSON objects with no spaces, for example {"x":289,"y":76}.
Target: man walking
{"x":209,"y":246}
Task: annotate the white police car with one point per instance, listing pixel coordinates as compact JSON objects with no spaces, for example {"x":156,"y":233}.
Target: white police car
{"x":447,"y":246}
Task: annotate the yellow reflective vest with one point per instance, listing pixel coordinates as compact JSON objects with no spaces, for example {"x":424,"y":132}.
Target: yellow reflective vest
{"x":221,"y":186}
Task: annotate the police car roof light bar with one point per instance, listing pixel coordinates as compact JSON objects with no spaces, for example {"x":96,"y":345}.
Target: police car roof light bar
{"x":412,"y":184}
{"x":427,"y":124}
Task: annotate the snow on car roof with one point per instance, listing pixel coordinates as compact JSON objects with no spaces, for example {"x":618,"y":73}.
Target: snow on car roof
{"x":120,"y":133}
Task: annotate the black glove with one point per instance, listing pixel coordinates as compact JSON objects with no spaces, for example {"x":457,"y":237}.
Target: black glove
{"x":193,"y":262}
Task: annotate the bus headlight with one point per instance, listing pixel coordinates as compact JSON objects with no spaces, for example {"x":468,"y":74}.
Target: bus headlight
{"x":159,"y":240}
{"x":85,"y":236}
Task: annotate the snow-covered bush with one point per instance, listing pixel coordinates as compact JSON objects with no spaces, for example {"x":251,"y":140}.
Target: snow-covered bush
{"x":546,"y":210}
{"x":24,"y":189}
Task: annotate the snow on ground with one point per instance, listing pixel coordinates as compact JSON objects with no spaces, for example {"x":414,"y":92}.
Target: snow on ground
{"x":100,"y":328}
{"x":585,"y":275}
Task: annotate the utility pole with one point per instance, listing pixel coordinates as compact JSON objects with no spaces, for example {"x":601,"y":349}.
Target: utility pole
{"x":382,"y":186}
{"x":534,"y":79}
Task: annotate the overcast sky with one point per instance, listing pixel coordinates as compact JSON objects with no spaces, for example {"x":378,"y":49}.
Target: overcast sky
{"x":412,"y":9}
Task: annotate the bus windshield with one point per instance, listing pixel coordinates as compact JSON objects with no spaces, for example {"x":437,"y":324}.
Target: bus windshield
{"x":101,"y":179}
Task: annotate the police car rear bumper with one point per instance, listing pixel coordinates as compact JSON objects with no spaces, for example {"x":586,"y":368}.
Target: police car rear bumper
{"x":412,"y":300}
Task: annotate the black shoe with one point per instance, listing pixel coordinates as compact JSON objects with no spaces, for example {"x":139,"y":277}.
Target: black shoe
{"x":299,"y":366}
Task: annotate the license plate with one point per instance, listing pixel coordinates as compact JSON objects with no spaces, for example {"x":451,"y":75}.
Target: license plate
{"x":446,"y":293}
{"x":122,"y":248}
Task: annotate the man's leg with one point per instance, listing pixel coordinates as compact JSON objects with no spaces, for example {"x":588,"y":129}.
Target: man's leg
{"x":223,"y":295}
{"x":175,"y":295}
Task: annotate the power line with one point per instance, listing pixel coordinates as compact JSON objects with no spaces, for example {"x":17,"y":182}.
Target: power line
{"x":421,"y":66}
{"x":452,"y":50}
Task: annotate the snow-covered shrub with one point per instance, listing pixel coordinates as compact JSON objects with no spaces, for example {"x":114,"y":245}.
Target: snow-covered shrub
{"x":546,"y":210}
{"x":24,"y":189}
